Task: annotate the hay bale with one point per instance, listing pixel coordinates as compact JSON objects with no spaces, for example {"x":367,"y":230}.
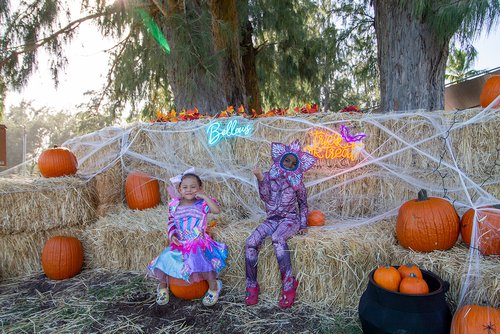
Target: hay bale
{"x":404,"y":153}
{"x":38,"y":204}
{"x":21,"y":253}
{"x":109,"y":189}
{"x":127,"y":239}
{"x":332,"y":263}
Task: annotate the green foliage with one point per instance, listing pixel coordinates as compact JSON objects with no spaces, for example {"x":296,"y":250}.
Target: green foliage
{"x":449,"y":17}
{"x":460,"y":64}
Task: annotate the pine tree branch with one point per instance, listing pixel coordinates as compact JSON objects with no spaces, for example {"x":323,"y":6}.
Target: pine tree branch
{"x":30,"y":47}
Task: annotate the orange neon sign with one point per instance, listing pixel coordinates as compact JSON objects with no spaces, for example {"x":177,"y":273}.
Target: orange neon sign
{"x":331,"y":145}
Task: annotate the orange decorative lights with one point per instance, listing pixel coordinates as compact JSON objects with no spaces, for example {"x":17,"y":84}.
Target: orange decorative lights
{"x":331,"y":145}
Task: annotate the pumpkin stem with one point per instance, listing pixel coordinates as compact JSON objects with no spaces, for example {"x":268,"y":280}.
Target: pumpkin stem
{"x":422,"y":195}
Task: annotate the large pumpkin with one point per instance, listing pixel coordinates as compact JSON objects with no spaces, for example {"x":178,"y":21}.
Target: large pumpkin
{"x":490,"y":91}
{"x":427,"y":224}
{"x":182,"y":290}
{"x":488,"y":229}
{"x":315,"y":218}
{"x":57,"y":161}
{"x":62,"y":257}
{"x":475,"y":319}
{"x":141,"y":191}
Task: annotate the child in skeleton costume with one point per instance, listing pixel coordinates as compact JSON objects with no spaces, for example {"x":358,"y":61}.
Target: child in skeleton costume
{"x":191,"y":255}
{"x":282,"y":189}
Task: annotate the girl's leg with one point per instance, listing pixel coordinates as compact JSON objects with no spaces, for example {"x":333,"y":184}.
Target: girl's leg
{"x":252,"y":246}
{"x":212,"y":285}
{"x":285,"y":230}
{"x":212,"y":295}
{"x":162,"y":294}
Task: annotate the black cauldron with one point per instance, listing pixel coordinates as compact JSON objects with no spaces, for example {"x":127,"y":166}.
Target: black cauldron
{"x":386,"y":312}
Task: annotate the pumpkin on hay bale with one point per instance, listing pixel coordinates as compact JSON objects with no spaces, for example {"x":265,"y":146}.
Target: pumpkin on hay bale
{"x":57,"y":161}
{"x":315,"y":218}
{"x":488,"y":229}
{"x":476,"y":319}
{"x":141,"y":191}
{"x":490,"y":91}
{"x":62,"y":257}
{"x":186,"y":291}
{"x":427,"y":224}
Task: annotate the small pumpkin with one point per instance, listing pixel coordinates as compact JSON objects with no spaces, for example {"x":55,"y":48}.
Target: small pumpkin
{"x":187,"y":291}
{"x":141,"y":191}
{"x":476,"y":319}
{"x":315,"y":218}
{"x":490,"y":91}
{"x":427,"y":224}
{"x":57,"y":161}
{"x":488,"y":229}
{"x":406,"y":271}
{"x":413,"y":285}
{"x":62,"y":257}
{"x":387,"y":277}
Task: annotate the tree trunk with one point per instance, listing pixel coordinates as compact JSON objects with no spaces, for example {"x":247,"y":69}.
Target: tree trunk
{"x":205,"y":69}
{"x":249,"y":64}
{"x":412,"y":59}
{"x":226,"y":31}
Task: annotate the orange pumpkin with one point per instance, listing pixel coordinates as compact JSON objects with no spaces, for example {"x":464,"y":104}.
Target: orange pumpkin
{"x":413,"y":285}
{"x":387,"y":277}
{"x":62,"y":257}
{"x":315,"y":218}
{"x":186,"y":291}
{"x":405,"y":271}
{"x":141,"y":191}
{"x":488,"y":229}
{"x":57,"y":161}
{"x":475,"y":319}
{"x":427,"y":224}
{"x":490,"y":91}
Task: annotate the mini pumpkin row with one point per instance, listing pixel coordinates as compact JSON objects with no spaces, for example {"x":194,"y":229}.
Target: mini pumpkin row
{"x":405,"y":279}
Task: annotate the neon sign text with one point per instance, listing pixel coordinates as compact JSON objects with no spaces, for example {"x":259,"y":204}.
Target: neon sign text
{"x":218,"y":131}
{"x":331,"y":146}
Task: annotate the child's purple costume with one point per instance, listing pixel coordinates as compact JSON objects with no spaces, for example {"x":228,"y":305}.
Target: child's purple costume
{"x":199,"y":257}
{"x":282,"y":190}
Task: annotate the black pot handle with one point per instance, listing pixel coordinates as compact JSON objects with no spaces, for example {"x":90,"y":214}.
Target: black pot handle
{"x":446,"y":286}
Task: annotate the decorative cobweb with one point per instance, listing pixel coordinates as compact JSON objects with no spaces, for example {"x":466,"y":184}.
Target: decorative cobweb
{"x":379,"y":162}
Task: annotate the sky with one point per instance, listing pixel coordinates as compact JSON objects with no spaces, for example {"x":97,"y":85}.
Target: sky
{"x":88,"y":64}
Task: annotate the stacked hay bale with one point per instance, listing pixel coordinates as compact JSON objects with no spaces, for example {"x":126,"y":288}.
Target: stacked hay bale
{"x":33,"y":210}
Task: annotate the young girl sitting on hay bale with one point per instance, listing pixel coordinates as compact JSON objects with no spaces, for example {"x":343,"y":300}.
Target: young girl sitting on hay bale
{"x":192,"y":255}
{"x":282,"y":189}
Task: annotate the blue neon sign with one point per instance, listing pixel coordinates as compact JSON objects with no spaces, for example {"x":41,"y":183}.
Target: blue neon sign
{"x":217,"y":131}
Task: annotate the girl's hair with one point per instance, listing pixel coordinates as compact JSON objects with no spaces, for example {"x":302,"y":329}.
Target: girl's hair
{"x":191,"y":175}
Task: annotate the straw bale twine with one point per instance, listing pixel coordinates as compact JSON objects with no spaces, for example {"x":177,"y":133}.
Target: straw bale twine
{"x":20,"y":253}
{"x":37,"y":204}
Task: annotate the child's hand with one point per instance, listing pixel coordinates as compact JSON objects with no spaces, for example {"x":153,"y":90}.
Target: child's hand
{"x":176,"y":241}
{"x":302,"y":231}
{"x":201,"y":195}
{"x":258,"y":173}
